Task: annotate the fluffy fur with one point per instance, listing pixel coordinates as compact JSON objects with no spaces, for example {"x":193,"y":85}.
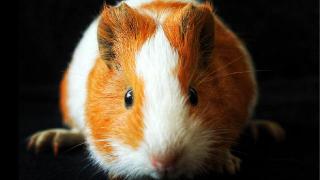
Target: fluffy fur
{"x":159,"y":49}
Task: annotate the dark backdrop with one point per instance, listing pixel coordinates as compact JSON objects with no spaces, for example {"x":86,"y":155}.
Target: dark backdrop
{"x":282,"y":36}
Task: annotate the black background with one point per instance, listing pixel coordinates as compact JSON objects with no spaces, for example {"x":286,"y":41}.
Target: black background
{"x":282,"y":36}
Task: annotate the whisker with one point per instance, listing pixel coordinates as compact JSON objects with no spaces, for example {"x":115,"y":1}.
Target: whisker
{"x":221,"y":68}
{"x":226,"y":65}
{"x":210,"y":78}
{"x":73,"y":147}
{"x":235,"y":73}
{"x":77,"y":145}
{"x":243,"y":153}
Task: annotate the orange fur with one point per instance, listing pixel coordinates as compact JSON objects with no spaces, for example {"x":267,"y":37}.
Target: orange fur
{"x":106,"y":113}
{"x":111,"y":78}
{"x":63,"y":100}
{"x":183,"y":30}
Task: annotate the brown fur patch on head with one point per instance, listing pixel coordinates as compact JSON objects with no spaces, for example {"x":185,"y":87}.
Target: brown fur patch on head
{"x":121,"y":30}
{"x":191,"y":31}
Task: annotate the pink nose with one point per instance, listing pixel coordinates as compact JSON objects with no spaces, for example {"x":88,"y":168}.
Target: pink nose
{"x":164,"y":163}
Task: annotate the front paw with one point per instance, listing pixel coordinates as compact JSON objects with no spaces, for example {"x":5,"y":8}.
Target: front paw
{"x":273,"y":128}
{"x":232,"y":164}
{"x":56,"y":138}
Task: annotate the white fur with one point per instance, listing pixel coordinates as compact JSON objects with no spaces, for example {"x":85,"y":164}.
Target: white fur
{"x":83,"y":60}
{"x":158,"y":17}
{"x":137,"y":3}
{"x":164,"y":108}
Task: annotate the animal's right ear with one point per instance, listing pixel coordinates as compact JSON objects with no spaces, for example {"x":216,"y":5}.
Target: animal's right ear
{"x":106,"y":34}
{"x":117,"y":28}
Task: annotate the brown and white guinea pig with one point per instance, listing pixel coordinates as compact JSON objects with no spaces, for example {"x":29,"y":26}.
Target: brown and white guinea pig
{"x":156,"y":89}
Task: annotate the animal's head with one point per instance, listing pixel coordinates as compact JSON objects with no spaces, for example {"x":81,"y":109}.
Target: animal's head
{"x":153,"y":107}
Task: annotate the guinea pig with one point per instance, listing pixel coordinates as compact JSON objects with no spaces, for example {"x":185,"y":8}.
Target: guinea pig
{"x":156,"y":89}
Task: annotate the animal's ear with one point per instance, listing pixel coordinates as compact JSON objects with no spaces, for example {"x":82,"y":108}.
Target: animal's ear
{"x":197,"y":28}
{"x":118,"y":25}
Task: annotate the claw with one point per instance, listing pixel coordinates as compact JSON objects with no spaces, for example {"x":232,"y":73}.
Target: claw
{"x":29,"y":144}
{"x":55,"y":149}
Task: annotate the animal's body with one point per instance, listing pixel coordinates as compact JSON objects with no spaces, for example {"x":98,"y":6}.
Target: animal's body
{"x":157,"y":88}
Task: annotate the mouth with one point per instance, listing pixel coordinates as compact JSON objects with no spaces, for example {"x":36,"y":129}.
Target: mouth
{"x":172,"y":173}
{"x":164,"y":175}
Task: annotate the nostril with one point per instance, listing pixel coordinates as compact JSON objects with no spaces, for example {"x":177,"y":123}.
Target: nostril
{"x":164,"y":163}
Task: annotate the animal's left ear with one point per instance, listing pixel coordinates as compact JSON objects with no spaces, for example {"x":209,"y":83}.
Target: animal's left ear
{"x":197,"y":28}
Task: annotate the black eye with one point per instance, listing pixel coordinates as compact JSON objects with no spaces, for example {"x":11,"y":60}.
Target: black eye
{"x":128,"y":98}
{"x":193,"y":96}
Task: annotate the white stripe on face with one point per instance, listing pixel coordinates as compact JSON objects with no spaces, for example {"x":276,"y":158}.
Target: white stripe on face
{"x":164,"y":110}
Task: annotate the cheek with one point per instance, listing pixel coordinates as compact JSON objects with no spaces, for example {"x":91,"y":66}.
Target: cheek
{"x":208,"y":106}
{"x":219,"y":114}
{"x":107,"y":117}
{"x":104,"y":104}
{"x":129,"y":128}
